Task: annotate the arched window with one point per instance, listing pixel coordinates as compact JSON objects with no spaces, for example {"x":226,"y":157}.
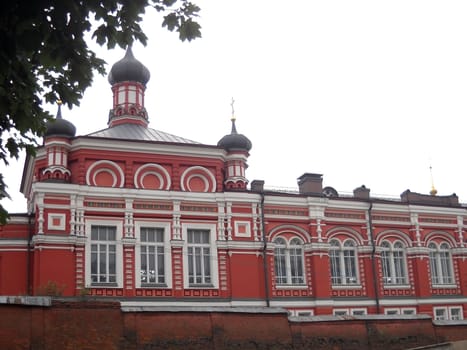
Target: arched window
{"x":343,"y":262}
{"x":440,"y":264}
{"x":394,"y":263}
{"x":288,"y":261}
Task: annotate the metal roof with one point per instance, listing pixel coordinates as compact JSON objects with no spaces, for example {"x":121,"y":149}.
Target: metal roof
{"x":139,"y":133}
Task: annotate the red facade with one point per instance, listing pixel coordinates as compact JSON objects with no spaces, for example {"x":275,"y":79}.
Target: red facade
{"x":148,"y":217}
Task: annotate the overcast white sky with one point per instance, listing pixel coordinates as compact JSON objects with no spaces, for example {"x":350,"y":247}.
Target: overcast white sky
{"x":364,"y":92}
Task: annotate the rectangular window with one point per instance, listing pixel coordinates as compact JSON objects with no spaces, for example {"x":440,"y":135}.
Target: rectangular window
{"x":386,"y":265}
{"x":304,"y":313}
{"x":399,"y":267}
{"x":152,"y":256}
{"x":280,"y":265}
{"x":103,"y":255}
{"x":358,"y":312}
{"x":132,"y":96}
{"x":446,"y":272}
{"x":408,"y":311}
{"x":350,"y":268}
{"x":455,"y":313}
{"x":391,"y":311}
{"x":199,"y":257}
{"x":440,"y":313}
{"x":121,"y":95}
{"x":340,"y":312}
{"x":335,"y":267}
{"x":296,"y":265}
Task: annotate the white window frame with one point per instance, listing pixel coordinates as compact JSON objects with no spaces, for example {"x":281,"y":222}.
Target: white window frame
{"x":288,"y":262}
{"x":392,"y":311}
{"x":461,"y":313}
{"x":408,"y":311}
{"x":119,"y":253}
{"x":438,"y":263}
{"x":400,"y":311}
{"x":213,"y":252}
{"x":340,"y":312}
{"x":445,"y":315}
{"x":167,"y":254}
{"x":359,"y":311}
{"x":342,"y":279}
{"x":304,"y":313}
{"x":390,"y":277}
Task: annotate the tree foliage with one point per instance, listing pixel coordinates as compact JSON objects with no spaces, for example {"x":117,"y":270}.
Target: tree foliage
{"x":45,"y":56}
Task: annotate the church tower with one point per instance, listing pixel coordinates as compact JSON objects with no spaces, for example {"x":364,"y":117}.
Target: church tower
{"x":128,"y":78}
{"x":237,"y":147}
{"x":57,"y":142}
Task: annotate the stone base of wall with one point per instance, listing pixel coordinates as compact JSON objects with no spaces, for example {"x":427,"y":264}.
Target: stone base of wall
{"x":96,"y":324}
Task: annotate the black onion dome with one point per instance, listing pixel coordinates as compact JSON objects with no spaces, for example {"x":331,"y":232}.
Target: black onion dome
{"x":129,"y":69}
{"x":235,"y":141}
{"x":59,"y":126}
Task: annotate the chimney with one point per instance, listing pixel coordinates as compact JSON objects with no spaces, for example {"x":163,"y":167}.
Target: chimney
{"x":257,"y":185}
{"x":361,"y":192}
{"x":310,"y":183}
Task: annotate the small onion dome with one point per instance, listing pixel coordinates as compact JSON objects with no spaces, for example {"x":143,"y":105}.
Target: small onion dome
{"x":235,"y":141}
{"x":59,"y":126}
{"x":129,"y":69}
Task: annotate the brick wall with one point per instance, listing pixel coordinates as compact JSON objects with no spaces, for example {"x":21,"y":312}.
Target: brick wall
{"x":94,"y":324}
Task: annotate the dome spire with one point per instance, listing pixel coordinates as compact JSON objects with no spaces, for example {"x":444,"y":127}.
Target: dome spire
{"x":433,"y":190}
{"x":59,"y":110}
{"x":232,"y":118}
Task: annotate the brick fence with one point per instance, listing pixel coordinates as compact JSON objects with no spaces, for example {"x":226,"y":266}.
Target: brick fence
{"x":42,"y":323}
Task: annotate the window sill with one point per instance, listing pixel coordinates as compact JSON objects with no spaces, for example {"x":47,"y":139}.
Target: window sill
{"x":347,"y":286}
{"x":104,"y":285}
{"x":396,"y":286}
{"x":450,"y":285}
{"x":201,"y":286}
{"x":153,"y":285}
{"x":291,"y":286}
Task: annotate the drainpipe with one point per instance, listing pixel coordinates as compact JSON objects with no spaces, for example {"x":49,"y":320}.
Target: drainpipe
{"x":265,"y":263}
{"x":373,"y":260}
{"x":28,"y":256}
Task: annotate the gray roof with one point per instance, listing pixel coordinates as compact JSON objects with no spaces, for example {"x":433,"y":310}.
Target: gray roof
{"x":139,"y":133}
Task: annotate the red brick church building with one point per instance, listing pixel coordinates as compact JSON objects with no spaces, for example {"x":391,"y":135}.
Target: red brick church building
{"x":150,"y":218}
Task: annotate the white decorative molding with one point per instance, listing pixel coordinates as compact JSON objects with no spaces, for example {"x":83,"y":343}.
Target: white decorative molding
{"x":156,"y":170}
{"x":242,"y":229}
{"x":105,"y":166}
{"x":56,"y":221}
{"x":201,"y":173}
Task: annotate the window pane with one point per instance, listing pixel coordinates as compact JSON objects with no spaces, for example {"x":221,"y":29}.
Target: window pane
{"x":199,"y":262}
{"x":335,"y":267}
{"x":207,"y":267}
{"x":296,"y":265}
{"x":103,"y":254}
{"x":386,"y":266}
{"x":434,"y":268}
{"x":93,"y":265}
{"x":350,"y":268}
{"x":280,"y":267}
{"x":440,"y":314}
{"x":152,"y":255}
{"x":446,"y":271}
{"x":455,"y":314}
